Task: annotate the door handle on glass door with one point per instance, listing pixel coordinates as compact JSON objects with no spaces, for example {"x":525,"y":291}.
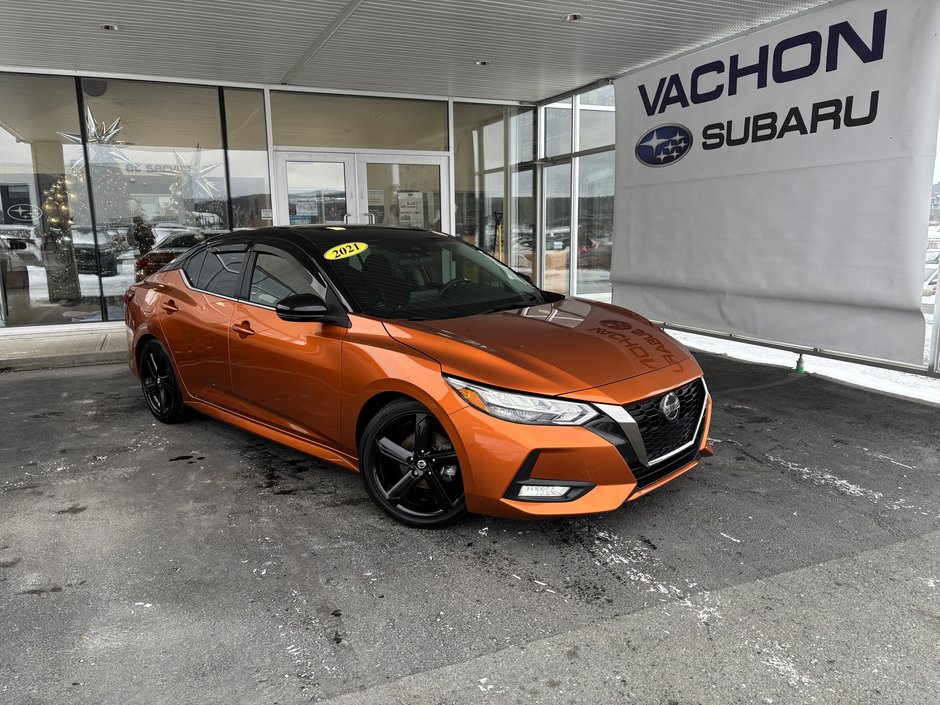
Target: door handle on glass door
{"x":243,"y":329}
{"x":169,"y":306}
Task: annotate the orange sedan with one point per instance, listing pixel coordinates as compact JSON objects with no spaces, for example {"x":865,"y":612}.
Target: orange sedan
{"x":445,"y":378}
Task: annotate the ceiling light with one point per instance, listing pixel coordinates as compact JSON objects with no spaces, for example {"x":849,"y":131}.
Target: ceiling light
{"x":573,"y":17}
{"x":481,"y":62}
{"x":108,"y":27}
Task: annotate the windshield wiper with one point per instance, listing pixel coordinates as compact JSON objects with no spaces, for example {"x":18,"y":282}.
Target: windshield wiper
{"x":508,"y":307}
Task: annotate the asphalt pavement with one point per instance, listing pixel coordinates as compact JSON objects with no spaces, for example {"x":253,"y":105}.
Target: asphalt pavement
{"x":196,"y":563}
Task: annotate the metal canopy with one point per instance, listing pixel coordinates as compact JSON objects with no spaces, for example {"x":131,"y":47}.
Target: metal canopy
{"x":387,"y":46}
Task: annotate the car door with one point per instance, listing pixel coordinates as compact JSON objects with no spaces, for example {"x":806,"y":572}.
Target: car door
{"x":196,"y":318}
{"x":285,"y":373}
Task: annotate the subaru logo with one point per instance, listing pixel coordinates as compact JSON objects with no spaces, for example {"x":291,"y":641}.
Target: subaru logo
{"x":669,"y":406}
{"x":24,"y":212}
{"x":663,"y":145}
{"x":617,"y":325}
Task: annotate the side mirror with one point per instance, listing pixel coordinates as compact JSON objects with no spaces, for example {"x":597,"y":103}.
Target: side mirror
{"x":310,"y":308}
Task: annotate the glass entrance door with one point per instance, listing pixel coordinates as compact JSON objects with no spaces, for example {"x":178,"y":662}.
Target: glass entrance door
{"x":316,"y":188}
{"x":385,"y":189}
{"x":405,"y":190}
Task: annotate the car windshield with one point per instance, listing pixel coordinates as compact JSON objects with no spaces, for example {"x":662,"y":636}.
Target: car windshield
{"x":416,"y":275}
{"x":83,"y":237}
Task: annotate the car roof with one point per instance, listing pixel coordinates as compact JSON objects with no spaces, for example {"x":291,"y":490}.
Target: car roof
{"x":320,"y":234}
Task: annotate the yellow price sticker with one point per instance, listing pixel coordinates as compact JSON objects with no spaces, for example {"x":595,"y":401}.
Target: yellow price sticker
{"x":347,"y":250}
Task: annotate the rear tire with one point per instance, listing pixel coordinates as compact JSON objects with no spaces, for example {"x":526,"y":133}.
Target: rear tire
{"x":159,"y":383}
{"x":410,"y":468}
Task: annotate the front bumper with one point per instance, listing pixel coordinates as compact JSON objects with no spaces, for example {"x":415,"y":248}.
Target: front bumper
{"x":599,"y":460}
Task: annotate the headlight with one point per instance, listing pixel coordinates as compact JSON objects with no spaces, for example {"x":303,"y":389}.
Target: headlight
{"x":523,"y":408}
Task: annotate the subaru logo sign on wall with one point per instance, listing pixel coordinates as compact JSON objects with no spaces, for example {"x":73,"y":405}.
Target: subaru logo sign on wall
{"x":24,"y":212}
{"x":669,"y":406}
{"x":663,"y":145}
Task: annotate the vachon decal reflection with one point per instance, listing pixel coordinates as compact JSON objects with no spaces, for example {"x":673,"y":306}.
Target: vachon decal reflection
{"x":631,"y":339}
{"x":663,"y":145}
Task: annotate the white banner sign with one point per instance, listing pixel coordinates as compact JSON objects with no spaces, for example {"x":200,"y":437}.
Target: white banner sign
{"x":777,"y":185}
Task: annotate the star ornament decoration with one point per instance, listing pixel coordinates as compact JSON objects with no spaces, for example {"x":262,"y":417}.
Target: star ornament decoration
{"x":102,"y":137}
{"x":192,"y":175}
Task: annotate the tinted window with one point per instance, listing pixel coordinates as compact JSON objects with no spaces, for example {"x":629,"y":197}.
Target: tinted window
{"x":220,"y":272}
{"x":193,"y":265}
{"x":276,"y":276}
{"x":421,"y":275}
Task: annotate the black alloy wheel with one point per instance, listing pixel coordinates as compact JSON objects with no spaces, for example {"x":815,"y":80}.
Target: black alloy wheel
{"x":410,"y":468}
{"x":158,"y":381}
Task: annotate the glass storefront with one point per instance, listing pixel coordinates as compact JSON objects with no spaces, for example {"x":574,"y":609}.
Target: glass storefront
{"x":249,"y":183}
{"x":154,"y":175}
{"x":503,"y":226}
{"x":94,"y":172}
{"x":48,"y":259}
{"x":579,"y":145}
{"x":353,"y":122}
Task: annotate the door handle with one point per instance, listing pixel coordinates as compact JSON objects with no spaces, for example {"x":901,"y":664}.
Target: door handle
{"x":347,"y":217}
{"x":371,"y":217}
{"x":243,"y":329}
{"x":169,"y":306}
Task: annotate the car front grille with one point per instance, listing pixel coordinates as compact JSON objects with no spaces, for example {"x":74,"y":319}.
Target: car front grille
{"x":660,"y":436}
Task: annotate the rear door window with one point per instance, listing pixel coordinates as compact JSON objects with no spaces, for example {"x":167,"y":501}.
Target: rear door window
{"x":221,"y":273}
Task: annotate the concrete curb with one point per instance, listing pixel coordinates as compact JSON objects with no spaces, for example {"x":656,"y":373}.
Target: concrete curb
{"x":49,"y":362}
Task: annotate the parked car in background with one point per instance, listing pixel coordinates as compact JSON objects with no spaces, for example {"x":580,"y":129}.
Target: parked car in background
{"x":449,"y":381}
{"x":110,"y":246}
{"x":26,"y":235}
{"x":162,"y":231}
{"x":558,"y":238}
{"x":166,"y":250}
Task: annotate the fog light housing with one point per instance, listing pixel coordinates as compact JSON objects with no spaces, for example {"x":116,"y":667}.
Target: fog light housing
{"x":539,"y":491}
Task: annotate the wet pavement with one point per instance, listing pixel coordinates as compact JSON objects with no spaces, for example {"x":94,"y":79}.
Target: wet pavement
{"x":143,"y":563}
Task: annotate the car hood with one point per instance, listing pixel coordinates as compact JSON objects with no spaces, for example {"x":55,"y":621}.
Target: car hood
{"x":554,"y":348}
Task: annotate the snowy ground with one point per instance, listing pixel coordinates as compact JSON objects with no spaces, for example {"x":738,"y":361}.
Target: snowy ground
{"x":895,"y":383}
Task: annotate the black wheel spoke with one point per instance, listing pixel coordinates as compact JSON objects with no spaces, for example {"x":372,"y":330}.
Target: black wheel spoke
{"x":437,"y":489}
{"x":401,"y":488}
{"x":394,"y":451}
{"x":156,"y":365}
{"x":422,"y":434}
{"x":444,"y":457}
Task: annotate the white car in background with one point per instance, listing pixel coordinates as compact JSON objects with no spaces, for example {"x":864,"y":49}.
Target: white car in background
{"x":24,"y":240}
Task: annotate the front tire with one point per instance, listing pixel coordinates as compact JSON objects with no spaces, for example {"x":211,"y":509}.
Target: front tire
{"x":410,"y":468}
{"x":159,"y":384}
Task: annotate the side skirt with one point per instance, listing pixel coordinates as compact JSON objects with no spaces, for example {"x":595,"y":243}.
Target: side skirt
{"x":291,"y":441}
